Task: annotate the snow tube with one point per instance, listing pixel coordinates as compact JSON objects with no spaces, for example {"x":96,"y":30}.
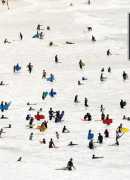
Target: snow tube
{"x":124,"y":130}
{"x":35,"y":36}
{"x":90,"y":135}
{"x":17,"y":67}
{"x":51,"y":79}
{"x":39,"y":117}
{"x":41,"y":128}
{"x":107,"y":121}
{"x":5,"y":106}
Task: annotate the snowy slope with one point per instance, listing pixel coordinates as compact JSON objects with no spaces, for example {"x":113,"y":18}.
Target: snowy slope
{"x":68,"y":23}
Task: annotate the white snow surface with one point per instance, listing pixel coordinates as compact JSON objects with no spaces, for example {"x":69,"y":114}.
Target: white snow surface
{"x":109,"y":20}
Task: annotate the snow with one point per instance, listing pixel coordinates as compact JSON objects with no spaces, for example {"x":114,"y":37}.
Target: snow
{"x":109,"y":20}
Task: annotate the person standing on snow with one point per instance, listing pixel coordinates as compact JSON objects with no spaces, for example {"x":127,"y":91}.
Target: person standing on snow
{"x":30,"y":67}
{"x":20,"y":36}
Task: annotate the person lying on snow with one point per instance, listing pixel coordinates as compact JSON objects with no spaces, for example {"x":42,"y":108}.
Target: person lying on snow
{"x":72,"y":144}
{"x":96,"y":157}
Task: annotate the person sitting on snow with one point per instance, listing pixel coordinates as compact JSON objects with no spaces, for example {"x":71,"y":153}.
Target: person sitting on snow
{"x":51,"y":144}
{"x":65,"y":130}
{"x":70,"y":165}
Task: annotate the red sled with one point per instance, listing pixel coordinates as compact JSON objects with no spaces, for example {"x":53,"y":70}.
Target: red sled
{"x":39,"y":117}
{"x":107,"y":121}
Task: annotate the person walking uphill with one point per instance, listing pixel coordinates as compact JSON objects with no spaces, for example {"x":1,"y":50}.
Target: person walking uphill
{"x":30,"y":67}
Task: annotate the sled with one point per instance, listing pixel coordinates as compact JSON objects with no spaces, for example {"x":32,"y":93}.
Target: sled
{"x":90,"y":136}
{"x":5,"y":106}
{"x":51,"y":79}
{"x":41,"y":128}
{"x":35,"y":36}
{"x":83,"y":120}
{"x":107,"y":121}
{"x":68,"y":42}
{"x":18,"y":68}
{"x":64,"y":168}
{"x":39,"y":117}
{"x":124,"y":130}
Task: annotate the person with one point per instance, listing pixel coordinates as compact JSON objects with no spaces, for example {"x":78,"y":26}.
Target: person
{"x":56,"y":58}
{"x":127,"y":118}
{"x":48,"y":28}
{"x":65,"y":130}
{"x":72,"y":144}
{"x":20,"y":36}
{"x":44,"y":123}
{"x":79,"y":83}
{"x":91,"y":144}
{"x":1,"y":83}
{"x":51,"y":113}
{"x":122,"y":103}
{"x":3,"y":117}
{"x":100,"y":138}
{"x":6,"y":41}
{"x":84,"y":78}
{"x":76,"y":99}
{"x":31,"y":122}
{"x":109,"y":69}
{"x":102,"y":69}
{"x":51,"y":143}
{"x":28,"y":117}
{"x":44,"y":95}
{"x":19,"y":159}
{"x":117,"y":138}
{"x":51,"y":43}
{"x":87,"y":117}
{"x":70,"y":165}
{"x":89,"y":2}
{"x":31,"y":136}
{"x":31,"y":109}
{"x":108,"y":52}
{"x":52,"y":78}
{"x":93,"y":38}
{"x":107,"y":116}
{"x":30,"y":66}
{"x":52,"y":93}
{"x":57,"y":135}
{"x":43,"y":141}
{"x":102,"y":116}
{"x":3,"y":2}
{"x":43,"y":74}
{"x":89,"y":28}
{"x":86,"y":102}
{"x":102,"y":108}
{"x":119,"y":129}
{"x":102,"y":78}
{"x":106,"y":133}
{"x":41,"y":35}
{"x":81,"y":64}
{"x":1,"y":131}
{"x":96,"y":157}
{"x":124,"y":75}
